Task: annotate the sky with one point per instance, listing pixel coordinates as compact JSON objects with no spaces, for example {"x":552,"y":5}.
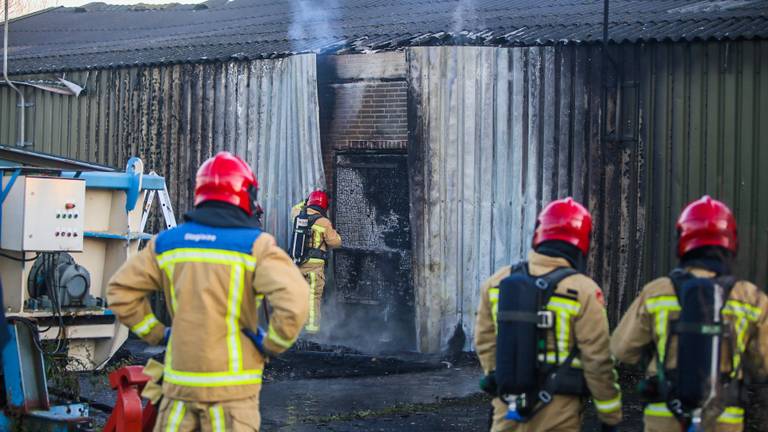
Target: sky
{"x":22,"y":7}
{"x":81,"y":2}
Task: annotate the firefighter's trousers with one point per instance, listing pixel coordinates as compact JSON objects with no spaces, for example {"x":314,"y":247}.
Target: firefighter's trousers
{"x":314,"y":273}
{"x":231,"y":416}
{"x":563,"y":414}
{"x":659,"y":419}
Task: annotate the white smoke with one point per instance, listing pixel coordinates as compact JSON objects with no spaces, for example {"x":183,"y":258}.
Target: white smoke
{"x":466,"y":18}
{"x":312,"y":19}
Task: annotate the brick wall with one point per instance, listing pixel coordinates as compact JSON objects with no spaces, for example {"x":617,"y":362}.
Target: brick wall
{"x":369,"y":115}
{"x":363,"y":105}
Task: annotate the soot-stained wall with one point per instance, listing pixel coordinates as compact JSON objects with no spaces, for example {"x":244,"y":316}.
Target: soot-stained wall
{"x":373,"y":270}
{"x":363,"y":105}
{"x":364,"y":128}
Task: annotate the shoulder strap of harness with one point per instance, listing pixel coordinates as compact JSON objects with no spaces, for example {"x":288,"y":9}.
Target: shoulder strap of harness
{"x":727,"y":282}
{"x":313,"y":218}
{"x":549,"y":281}
{"x":679,"y":277}
{"x":518,"y":267}
{"x":314,"y":252}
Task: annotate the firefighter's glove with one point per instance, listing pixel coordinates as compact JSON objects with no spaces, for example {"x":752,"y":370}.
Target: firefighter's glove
{"x":488,"y":384}
{"x":166,"y":336}
{"x":257,"y":339}
{"x":608,"y":428}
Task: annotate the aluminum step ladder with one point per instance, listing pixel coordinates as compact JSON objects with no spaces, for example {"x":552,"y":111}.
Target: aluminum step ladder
{"x":165,"y":206}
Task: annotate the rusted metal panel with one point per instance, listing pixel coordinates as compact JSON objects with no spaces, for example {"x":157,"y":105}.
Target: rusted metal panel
{"x":485,"y":157}
{"x":175,"y":116}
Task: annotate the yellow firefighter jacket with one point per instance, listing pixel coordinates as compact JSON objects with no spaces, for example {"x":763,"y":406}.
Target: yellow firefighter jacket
{"x":324,"y":237}
{"x":646,"y":325}
{"x":581,"y":319}
{"x":214,"y":280}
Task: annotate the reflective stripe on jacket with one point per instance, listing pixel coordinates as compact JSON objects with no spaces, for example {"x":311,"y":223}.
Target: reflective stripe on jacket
{"x":214,"y":279}
{"x":581,"y":319}
{"x":646,"y":325}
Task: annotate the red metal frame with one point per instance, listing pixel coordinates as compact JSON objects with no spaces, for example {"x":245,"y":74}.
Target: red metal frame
{"x":128,"y":414}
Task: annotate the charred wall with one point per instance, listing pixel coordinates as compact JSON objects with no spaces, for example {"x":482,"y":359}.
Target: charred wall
{"x":364,"y":124}
{"x":363,"y":105}
{"x":497,"y":133}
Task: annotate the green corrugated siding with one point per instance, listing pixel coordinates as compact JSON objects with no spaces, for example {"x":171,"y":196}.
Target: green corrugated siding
{"x":703,"y":129}
{"x":175,"y":116}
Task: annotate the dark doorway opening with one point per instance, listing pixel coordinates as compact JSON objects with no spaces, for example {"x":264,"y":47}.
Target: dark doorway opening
{"x":372,"y":300}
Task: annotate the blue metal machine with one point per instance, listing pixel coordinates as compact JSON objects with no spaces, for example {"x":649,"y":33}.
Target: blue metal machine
{"x":25,"y":384}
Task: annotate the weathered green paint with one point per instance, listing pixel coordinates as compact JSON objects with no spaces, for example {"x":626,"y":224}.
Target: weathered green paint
{"x":703,"y":129}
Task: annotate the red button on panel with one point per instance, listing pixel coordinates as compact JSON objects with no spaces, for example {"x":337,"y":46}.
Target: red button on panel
{"x":69,"y":206}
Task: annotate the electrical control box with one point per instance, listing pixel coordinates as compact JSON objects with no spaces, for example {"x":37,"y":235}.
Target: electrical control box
{"x":42,"y":214}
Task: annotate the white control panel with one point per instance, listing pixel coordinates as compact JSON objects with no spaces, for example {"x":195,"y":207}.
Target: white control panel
{"x":43,"y":214}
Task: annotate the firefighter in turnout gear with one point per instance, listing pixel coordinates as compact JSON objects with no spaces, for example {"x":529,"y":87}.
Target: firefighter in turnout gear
{"x":310,"y":252}
{"x":215,"y":270}
{"x":701,"y":330}
{"x":542,"y":332}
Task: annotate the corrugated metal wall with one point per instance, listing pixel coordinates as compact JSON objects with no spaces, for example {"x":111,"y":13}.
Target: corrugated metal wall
{"x":497,"y":133}
{"x":174,"y":117}
{"x":699,"y":114}
{"x":692,"y":120}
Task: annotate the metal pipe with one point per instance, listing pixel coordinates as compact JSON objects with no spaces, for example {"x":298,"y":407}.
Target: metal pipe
{"x":605,"y":22}
{"x":23,"y":105}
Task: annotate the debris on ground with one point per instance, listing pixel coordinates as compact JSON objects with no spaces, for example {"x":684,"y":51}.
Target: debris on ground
{"x":331,"y":388}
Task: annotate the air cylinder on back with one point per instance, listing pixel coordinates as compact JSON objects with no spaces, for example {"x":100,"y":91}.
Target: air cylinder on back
{"x":698,"y":341}
{"x":516,"y":353}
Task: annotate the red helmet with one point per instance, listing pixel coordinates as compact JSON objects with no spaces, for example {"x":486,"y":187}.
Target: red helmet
{"x":564,"y":220}
{"x":706,"y":222}
{"x":318,"y":198}
{"x":225,"y":177}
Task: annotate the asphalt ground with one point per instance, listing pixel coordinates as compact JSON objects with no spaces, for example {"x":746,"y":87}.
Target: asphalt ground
{"x":317,"y":388}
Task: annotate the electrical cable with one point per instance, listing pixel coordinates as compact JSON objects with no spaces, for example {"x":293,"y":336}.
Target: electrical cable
{"x":10,"y":257}
{"x":32,"y":328}
{"x":49,"y":259}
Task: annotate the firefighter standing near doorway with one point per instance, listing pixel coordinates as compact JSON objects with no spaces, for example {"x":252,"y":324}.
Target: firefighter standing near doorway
{"x":542,"y":332}
{"x":214,"y":270}
{"x":700,"y":330}
{"x":312,"y":238}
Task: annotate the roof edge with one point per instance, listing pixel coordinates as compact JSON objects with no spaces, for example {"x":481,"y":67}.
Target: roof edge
{"x":31,"y":14}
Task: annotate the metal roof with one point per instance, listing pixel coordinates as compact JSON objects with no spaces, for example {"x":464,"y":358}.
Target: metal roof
{"x":99,"y":35}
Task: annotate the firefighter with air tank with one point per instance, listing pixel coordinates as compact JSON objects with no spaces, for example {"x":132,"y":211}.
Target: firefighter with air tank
{"x":542,"y":332}
{"x":313,"y":237}
{"x":699,"y":331}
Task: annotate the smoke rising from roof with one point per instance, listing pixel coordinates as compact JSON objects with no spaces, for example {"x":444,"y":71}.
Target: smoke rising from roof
{"x":312,"y":19}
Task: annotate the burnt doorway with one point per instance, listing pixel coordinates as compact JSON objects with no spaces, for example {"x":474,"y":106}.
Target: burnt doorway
{"x":373,"y":298}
